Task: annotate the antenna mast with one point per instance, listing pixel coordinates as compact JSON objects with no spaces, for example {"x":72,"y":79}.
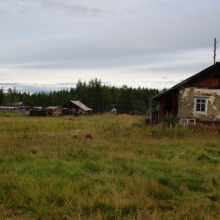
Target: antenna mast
{"x":214,"y":49}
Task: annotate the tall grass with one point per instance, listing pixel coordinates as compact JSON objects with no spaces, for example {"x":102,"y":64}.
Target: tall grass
{"x":124,"y":172}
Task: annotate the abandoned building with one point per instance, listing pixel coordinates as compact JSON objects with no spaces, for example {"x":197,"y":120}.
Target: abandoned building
{"x":41,"y":112}
{"x":56,"y":109}
{"x":75,"y":108}
{"x":196,"y":97}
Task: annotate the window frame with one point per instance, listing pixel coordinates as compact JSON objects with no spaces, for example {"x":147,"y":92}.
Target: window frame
{"x":195,"y":112}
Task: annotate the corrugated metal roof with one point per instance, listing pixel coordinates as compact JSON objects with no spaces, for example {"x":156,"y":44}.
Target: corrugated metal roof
{"x":81,"y":105}
{"x":185,"y":81}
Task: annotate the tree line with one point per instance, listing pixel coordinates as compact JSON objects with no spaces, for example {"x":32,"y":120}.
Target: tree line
{"x":93,"y":94}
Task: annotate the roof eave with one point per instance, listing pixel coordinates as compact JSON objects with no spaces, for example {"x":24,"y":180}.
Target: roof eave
{"x":185,"y":81}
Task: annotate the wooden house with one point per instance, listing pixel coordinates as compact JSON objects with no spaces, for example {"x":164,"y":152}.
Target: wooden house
{"x":197,"y":96}
{"x":75,"y":108}
{"x":56,"y":109}
{"x":41,"y":112}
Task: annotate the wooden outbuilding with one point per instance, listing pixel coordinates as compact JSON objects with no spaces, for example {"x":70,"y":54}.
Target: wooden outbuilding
{"x":41,"y":112}
{"x":197,"y":96}
{"x":75,"y":108}
{"x":56,"y":109}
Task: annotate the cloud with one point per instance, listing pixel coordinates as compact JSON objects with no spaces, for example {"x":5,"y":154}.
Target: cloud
{"x":119,"y":40}
{"x":171,"y":82}
{"x":77,"y":10}
{"x":106,"y":83}
{"x":3,"y":12}
{"x":35,"y":87}
{"x":67,"y":8}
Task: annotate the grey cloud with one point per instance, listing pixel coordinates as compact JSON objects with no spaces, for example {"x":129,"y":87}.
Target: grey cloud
{"x":22,"y":11}
{"x":80,"y":10}
{"x":27,"y":9}
{"x":82,"y":55}
{"x":72,"y":84}
{"x":69,"y":9}
{"x":110,"y":44}
{"x":144,"y":38}
{"x":176,"y":67}
{"x":3,"y":12}
{"x":163,"y":82}
{"x":33,"y":87}
{"x":106,"y":82}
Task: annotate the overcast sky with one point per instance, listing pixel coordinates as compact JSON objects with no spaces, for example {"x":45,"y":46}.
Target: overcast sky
{"x":51,"y":44}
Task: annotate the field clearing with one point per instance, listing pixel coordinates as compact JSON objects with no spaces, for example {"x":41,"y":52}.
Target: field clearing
{"x":127,"y":171}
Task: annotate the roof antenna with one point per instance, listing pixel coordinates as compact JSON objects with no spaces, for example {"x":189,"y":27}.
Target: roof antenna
{"x":214,"y":49}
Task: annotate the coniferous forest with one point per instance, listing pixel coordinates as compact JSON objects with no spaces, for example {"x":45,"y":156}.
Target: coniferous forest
{"x":93,"y":94}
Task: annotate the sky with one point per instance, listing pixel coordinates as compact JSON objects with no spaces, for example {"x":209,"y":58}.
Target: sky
{"x":48,"y":45}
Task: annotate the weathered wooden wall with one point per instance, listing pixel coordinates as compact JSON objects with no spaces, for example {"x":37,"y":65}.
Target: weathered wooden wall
{"x":41,"y":113}
{"x":71,"y":109}
{"x":162,"y":102}
{"x":209,"y":79}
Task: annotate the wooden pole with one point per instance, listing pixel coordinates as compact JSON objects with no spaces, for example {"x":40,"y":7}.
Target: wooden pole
{"x":214,"y":49}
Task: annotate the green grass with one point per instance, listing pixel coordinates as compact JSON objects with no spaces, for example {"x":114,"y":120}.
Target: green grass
{"x":124,"y":172}
{"x":14,"y":114}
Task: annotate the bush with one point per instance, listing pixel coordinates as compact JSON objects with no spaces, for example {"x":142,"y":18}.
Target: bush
{"x":139,"y":123}
{"x":170,"y":119}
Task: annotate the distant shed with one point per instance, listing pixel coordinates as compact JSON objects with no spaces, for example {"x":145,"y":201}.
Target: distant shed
{"x":41,"y":112}
{"x":75,"y":108}
{"x":55,"y":108}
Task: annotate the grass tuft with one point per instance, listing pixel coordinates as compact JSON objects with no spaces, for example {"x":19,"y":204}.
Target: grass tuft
{"x":127,"y":171}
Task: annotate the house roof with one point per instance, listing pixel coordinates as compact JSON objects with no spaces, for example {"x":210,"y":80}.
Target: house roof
{"x":185,"y":81}
{"x":81,"y":105}
{"x":53,"y":107}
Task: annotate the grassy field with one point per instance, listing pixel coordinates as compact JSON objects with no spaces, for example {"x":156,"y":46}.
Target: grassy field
{"x":127,"y":171}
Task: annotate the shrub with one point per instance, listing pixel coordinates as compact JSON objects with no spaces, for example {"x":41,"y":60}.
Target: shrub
{"x":170,"y":119}
{"x":139,"y":123}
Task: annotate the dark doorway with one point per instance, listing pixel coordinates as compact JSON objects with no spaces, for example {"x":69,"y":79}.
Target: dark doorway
{"x":168,"y":106}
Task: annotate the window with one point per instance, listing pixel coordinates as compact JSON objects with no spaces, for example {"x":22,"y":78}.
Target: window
{"x":200,"y":106}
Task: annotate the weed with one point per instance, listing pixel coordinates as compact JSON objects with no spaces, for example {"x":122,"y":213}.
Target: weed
{"x":170,"y":119}
{"x":127,"y":171}
{"x":139,"y":124}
